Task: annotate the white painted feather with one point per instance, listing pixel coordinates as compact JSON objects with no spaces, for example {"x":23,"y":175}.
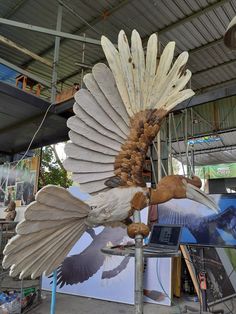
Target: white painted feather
{"x":173,"y":76}
{"x":82,"y":128}
{"x":178,"y":98}
{"x":27,"y":227}
{"x":30,"y":252}
{"x":65,"y":250}
{"x":81,"y":153}
{"x":43,"y":240}
{"x":114,"y":61}
{"x":150,"y":71}
{"x":93,"y":186}
{"x":88,"y":110}
{"x":58,"y":253}
{"x":159,"y":83}
{"x":163,"y":68}
{"x":86,"y":143}
{"x":106,"y":82}
{"x":89,"y":177}
{"x":19,"y":242}
{"x":166,"y":60}
{"x":120,"y":127}
{"x":74,"y":165}
{"x":60,"y":198}
{"x":38,"y":211}
{"x":127,"y":68}
{"x":138,"y":68}
{"x":167,"y":84}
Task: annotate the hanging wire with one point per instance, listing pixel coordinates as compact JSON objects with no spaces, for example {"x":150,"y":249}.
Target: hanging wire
{"x":83,"y":58}
{"x":71,"y":10}
{"x":31,"y":142}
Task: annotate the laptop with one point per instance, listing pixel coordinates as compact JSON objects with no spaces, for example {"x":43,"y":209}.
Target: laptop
{"x":164,"y":238}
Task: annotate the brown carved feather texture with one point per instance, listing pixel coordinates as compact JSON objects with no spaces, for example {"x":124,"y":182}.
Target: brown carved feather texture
{"x":130,"y":161}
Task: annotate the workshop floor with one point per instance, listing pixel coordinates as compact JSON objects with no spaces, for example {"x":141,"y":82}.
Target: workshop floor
{"x":67,"y":304}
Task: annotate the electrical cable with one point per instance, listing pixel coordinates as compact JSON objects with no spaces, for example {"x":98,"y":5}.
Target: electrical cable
{"x":212,"y":261}
{"x":31,"y":142}
{"x":166,"y":294}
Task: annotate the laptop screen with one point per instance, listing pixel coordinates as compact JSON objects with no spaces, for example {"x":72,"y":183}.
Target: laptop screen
{"x":165,"y":236}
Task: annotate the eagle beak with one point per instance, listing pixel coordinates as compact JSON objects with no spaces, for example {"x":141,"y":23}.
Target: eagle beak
{"x":195,"y":194}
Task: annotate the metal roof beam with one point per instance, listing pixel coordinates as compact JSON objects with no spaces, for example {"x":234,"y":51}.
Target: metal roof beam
{"x":16,"y":7}
{"x":49,"y":31}
{"x":206,"y":46}
{"x":22,"y":49}
{"x":229,"y":86}
{"x":193,"y":16}
{"x":208,"y":150}
{"x":208,"y":96}
{"x":23,"y":122}
{"x":24,"y":72}
{"x":168,"y":28}
{"x":84,"y":28}
{"x":214,"y":67}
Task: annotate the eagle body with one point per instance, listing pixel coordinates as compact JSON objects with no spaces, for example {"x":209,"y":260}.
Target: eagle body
{"x":116,"y":119}
{"x":112,"y":206}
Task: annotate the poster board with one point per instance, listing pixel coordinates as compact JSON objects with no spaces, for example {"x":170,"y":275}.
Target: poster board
{"x":202,"y":225}
{"x":113,"y":278}
{"x":220,"y":273}
{"x":215,"y":232}
{"x":18,"y":181}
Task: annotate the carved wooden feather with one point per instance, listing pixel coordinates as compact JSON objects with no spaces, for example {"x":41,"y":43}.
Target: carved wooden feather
{"x":106,"y":82}
{"x":82,"y":141}
{"x":118,"y":124}
{"x":82,"y":128}
{"x":150,"y":71}
{"x":138,"y":68}
{"x":80,"y":153}
{"x":94,"y":116}
{"x":114,"y":61}
{"x":94,"y":176}
{"x":74,"y":165}
{"x":127,"y":68}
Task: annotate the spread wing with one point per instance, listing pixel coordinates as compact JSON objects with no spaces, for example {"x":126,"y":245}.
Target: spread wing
{"x":119,"y":114}
{"x":80,"y":267}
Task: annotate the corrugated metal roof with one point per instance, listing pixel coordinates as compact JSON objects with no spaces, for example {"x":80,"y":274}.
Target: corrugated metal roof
{"x":196,"y":25}
{"x":209,"y":153}
{"x":190,"y":33}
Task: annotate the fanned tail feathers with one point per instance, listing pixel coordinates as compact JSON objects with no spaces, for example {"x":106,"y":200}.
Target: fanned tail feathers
{"x":52,"y":225}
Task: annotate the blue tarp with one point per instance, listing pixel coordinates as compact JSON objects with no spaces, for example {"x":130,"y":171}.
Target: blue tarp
{"x":8,"y":75}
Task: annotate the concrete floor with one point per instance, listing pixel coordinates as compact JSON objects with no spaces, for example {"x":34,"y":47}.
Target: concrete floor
{"x":67,"y":304}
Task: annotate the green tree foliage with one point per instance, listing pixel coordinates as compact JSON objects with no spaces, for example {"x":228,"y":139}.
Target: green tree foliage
{"x":52,"y":170}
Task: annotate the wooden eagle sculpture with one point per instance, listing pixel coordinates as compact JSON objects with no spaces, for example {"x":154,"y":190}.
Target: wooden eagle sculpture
{"x":116,"y":119}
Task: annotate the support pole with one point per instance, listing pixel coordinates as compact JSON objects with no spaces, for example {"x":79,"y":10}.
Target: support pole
{"x":54,"y":290}
{"x":138,"y":298}
{"x":159,"y":173}
{"x":186,"y":140}
{"x":53,"y":98}
{"x":56,"y":56}
{"x":170,"y":167}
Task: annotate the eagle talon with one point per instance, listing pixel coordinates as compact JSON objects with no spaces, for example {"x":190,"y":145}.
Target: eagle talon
{"x":136,"y":229}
